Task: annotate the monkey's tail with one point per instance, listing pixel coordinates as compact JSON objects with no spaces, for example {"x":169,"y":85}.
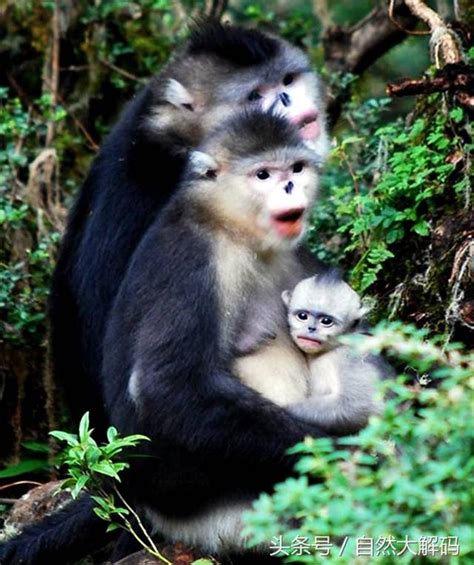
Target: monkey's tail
{"x":67,"y":535}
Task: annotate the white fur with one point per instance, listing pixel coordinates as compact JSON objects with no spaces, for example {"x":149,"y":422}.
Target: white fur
{"x":176,"y":94}
{"x":215,"y":530}
{"x":133,"y":388}
{"x":201,"y":163}
{"x":325,"y":379}
{"x":278,"y":371}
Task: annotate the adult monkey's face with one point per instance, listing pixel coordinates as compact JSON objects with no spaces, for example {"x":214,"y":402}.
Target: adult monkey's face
{"x":225,"y":68}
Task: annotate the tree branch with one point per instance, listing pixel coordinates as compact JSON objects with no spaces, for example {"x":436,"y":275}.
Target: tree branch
{"x":442,"y":83}
{"x":354,"y":49}
{"x":54,"y":80}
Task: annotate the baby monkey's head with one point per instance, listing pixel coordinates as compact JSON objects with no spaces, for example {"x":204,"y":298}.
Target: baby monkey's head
{"x":319,"y":308}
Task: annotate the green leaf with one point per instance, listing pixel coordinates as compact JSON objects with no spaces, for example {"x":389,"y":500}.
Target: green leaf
{"x":113,"y":526}
{"x":70,"y":439}
{"x":80,"y":484}
{"x":103,"y":515}
{"x":28,"y":466}
{"x":422,"y":228}
{"x":105,"y":469}
{"x":84,"y":428}
{"x":111,"y":434}
{"x":36,"y":446}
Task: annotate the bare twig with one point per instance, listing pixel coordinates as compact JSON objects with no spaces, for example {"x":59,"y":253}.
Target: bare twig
{"x":394,"y":20}
{"x":354,"y":49}
{"x":321,"y":10}
{"x":93,"y":145}
{"x":122,"y":72}
{"x":17,"y":483}
{"x":218,"y":8}
{"x":54,"y":81}
{"x":8,"y":500}
{"x":410,"y":87}
{"x":443,"y":40}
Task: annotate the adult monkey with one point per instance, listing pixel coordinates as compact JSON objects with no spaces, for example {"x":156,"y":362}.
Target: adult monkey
{"x":223,"y":246}
{"x":220,"y":69}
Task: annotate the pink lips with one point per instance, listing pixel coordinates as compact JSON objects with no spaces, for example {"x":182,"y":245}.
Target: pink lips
{"x":308,"y":124}
{"x":309,"y":341}
{"x":289,"y":224}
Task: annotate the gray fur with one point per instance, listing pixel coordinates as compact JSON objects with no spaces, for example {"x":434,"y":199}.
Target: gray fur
{"x":343,"y":384}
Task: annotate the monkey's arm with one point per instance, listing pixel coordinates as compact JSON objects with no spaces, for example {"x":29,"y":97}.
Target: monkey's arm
{"x":164,"y":331}
{"x":351,"y":382}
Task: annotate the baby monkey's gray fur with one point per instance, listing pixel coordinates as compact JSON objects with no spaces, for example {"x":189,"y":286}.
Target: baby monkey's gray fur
{"x":342,"y":383}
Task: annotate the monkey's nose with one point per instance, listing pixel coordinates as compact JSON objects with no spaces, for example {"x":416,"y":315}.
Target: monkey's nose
{"x":311,"y":329}
{"x":289,"y":187}
{"x":285,"y":99}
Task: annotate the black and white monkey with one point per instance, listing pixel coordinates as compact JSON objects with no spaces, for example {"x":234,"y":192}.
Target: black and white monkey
{"x":229,"y":241}
{"x":225,"y":243}
{"x":168,"y":357}
{"x":222,"y":68}
{"x":332,"y":386}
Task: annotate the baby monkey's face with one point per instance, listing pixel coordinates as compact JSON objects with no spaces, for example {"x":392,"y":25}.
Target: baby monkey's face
{"x":310,"y":328}
{"x":321,"y":309}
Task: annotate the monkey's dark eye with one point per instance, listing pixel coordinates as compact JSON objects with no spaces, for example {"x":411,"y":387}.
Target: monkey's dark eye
{"x":263,"y":174}
{"x":326,"y":321}
{"x":254,"y":96}
{"x":288,"y":79}
{"x":188,"y":107}
{"x":298,"y":167}
{"x":211,"y":174}
{"x":303,"y":316}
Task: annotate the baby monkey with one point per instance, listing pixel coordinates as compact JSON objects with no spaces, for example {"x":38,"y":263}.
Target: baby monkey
{"x":342,"y":383}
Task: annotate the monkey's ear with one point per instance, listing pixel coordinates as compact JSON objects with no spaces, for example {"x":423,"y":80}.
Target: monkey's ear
{"x":203,"y":165}
{"x":175,"y":93}
{"x":286,"y":297}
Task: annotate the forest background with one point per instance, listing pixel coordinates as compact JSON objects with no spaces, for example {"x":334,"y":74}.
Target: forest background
{"x":395,"y":212}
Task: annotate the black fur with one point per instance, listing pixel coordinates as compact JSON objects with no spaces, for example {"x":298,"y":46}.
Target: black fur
{"x":213,"y":438}
{"x":240,"y":46}
{"x":131,"y":179}
{"x":59,"y":538}
{"x":255,"y":132}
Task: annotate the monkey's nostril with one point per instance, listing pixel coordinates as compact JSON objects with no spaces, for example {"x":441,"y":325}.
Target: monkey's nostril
{"x":289,"y":187}
{"x":311,"y":329}
{"x":285,"y":99}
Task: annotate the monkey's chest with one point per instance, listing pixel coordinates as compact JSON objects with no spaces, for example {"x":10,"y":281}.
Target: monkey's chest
{"x":278,"y":371}
{"x":325,"y":374}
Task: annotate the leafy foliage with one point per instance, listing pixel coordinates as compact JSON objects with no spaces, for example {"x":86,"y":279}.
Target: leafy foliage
{"x":86,"y":461}
{"x":386,"y":189}
{"x":96,"y":469}
{"x":26,"y":251}
{"x":408,"y":475}
{"x":90,"y":465}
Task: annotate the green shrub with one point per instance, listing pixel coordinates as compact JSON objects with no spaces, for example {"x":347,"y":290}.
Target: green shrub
{"x":407,"y":476}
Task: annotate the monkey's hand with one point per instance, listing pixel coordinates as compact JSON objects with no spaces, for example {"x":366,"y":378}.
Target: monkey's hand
{"x":336,"y":413}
